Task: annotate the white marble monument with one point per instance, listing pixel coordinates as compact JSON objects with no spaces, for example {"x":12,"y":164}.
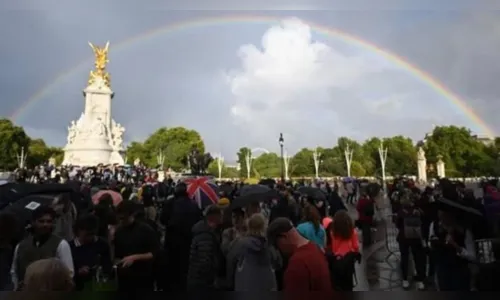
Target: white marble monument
{"x":422,"y":165}
{"x":96,"y":138}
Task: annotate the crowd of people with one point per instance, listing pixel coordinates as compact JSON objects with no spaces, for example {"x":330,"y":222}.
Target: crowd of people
{"x":292,"y":237}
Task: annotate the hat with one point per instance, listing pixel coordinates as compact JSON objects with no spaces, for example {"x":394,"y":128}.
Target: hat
{"x":277,"y":228}
{"x":326,"y":222}
{"x":223,"y":201}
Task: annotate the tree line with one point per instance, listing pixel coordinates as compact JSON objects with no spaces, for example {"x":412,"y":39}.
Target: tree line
{"x":464,"y":154}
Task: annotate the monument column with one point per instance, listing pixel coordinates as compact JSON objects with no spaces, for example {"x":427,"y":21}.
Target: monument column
{"x":422,"y":165}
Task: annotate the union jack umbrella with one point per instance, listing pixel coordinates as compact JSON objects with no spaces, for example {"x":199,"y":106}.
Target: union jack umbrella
{"x":203,"y":190}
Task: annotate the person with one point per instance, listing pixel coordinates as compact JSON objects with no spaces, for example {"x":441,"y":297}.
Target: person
{"x":251,"y":262}
{"x":307,"y":268}
{"x":311,"y":228}
{"x":342,"y":250}
{"x":89,"y":251}
{"x":235,"y":232}
{"x":206,"y":261}
{"x":454,"y":248}
{"x":410,"y":238}
{"x":41,"y":244}
{"x":179,"y":215}
{"x":366,"y":211}
{"x":8,"y":225}
{"x":48,"y":275}
{"x":135,"y":247}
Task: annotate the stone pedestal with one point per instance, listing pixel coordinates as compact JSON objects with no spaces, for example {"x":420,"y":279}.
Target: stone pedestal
{"x":422,"y":166}
{"x":440,"y":168}
{"x":95,"y":138}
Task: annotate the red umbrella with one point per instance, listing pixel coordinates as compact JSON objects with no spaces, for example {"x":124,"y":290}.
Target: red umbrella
{"x":115,"y":196}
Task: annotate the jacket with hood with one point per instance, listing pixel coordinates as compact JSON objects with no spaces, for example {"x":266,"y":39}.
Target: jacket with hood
{"x":251,"y":264}
{"x":205,"y":258}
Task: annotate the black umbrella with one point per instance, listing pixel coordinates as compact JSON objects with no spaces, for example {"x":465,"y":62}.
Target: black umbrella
{"x":254,"y":193}
{"x":268,"y":181}
{"x":312,"y":192}
{"x":23,"y":208}
{"x":446,"y":204}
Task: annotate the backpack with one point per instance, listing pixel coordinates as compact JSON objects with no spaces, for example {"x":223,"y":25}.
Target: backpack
{"x":412,"y":227}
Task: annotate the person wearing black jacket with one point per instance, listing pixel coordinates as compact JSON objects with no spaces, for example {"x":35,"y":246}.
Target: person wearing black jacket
{"x":178,"y":216}
{"x":89,"y":251}
{"x":206,"y":261}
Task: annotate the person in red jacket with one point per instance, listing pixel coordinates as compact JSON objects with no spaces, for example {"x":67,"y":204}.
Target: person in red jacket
{"x":366,"y":211}
{"x":307,"y":268}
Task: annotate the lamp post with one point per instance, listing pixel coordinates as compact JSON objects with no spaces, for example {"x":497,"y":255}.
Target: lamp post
{"x":286,"y":161}
{"x":220,"y":164}
{"x":281,"y":141}
{"x":382,"y":152}
{"x":248,"y":161}
{"x":348,"y":159}
{"x":21,"y":159}
{"x":316,"y":158}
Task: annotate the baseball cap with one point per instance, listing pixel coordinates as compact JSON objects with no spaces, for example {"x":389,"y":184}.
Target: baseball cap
{"x":277,"y":228}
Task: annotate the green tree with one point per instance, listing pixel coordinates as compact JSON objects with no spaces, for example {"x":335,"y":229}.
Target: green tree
{"x":267,"y":165}
{"x":242,"y":154}
{"x":401,"y":156}
{"x":302,"y":163}
{"x":135,"y":150}
{"x":38,"y":153}
{"x":175,"y":144}
{"x":12,"y":140}
{"x":457,"y":146}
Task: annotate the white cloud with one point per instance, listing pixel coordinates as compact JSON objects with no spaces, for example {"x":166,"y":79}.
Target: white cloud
{"x":287,"y":83}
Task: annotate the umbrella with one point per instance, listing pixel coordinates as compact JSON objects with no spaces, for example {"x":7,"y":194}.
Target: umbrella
{"x":23,"y":208}
{"x":445,"y":203}
{"x":254,"y":193}
{"x":313,"y":192}
{"x":115,"y":196}
{"x":268,"y":181}
{"x":203,"y":190}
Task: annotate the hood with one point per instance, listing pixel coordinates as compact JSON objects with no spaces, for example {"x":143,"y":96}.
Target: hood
{"x":201,"y":227}
{"x":254,"y":244}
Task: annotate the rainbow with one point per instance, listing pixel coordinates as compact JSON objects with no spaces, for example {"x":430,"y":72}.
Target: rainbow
{"x":352,"y":40}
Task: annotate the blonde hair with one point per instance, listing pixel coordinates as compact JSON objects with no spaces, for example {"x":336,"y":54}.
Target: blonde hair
{"x":47,"y":275}
{"x":257,"y":225}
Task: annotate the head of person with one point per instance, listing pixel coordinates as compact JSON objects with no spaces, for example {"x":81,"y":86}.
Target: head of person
{"x":237,"y":217}
{"x":42,"y":220}
{"x":213,"y":215}
{"x":342,"y":225}
{"x":311,"y":214}
{"x":180,"y":189}
{"x":253,"y":208}
{"x":282,"y":234}
{"x":48,"y":275}
{"x":125,"y":213}
{"x":257,"y":225}
{"x":85,"y":228}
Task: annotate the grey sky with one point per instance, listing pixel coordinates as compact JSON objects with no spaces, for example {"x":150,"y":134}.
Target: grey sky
{"x":241,"y":83}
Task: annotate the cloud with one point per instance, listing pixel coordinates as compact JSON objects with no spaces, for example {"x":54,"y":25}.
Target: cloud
{"x":288,"y":84}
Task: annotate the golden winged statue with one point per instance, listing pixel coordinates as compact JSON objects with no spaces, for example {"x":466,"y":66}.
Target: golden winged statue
{"x":101,"y":60}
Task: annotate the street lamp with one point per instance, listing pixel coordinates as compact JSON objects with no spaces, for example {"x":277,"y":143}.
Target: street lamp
{"x":316,"y":158}
{"x":382,"y":152}
{"x":348,"y":159}
{"x":286,"y":161}
{"x":21,"y":159}
{"x":248,"y":161}
{"x":220,"y":164}
{"x":282,"y":142}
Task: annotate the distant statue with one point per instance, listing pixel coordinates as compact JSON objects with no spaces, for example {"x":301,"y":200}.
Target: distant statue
{"x":101,"y":60}
{"x":72,"y":129}
{"x":117,"y":131}
{"x":421,"y":154}
{"x":99,"y":128}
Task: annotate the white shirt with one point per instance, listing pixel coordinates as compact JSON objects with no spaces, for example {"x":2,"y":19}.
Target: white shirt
{"x":63,"y":253}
